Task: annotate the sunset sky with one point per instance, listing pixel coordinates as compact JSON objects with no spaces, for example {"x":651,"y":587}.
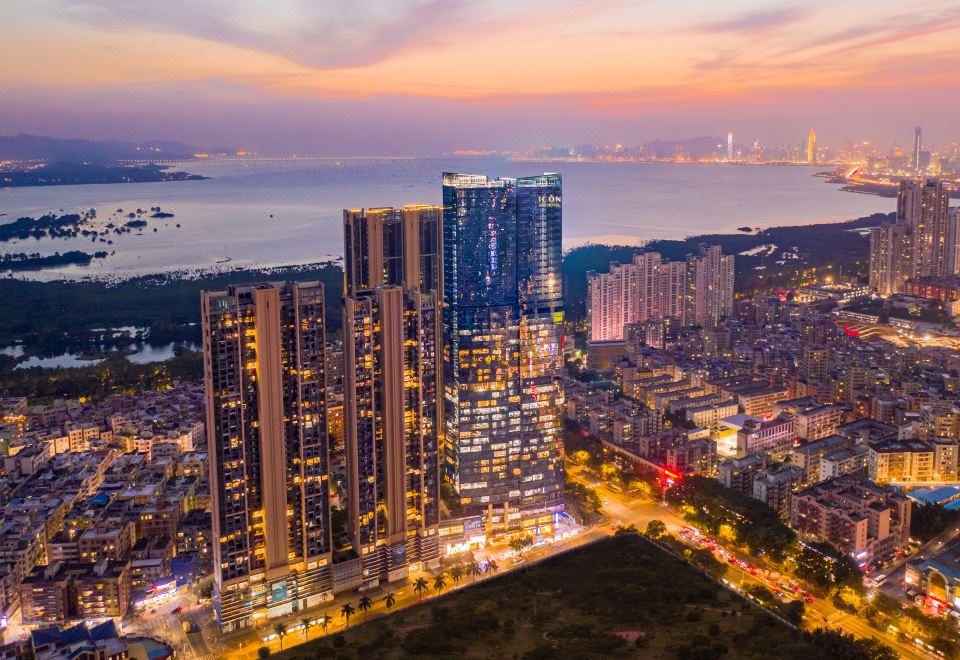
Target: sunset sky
{"x":399,"y":76}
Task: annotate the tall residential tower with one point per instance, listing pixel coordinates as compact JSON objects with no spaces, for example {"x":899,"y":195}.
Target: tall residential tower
{"x":502,"y":331}
{"x":922,"y":242}
{"x":709,"y":286}
{"x":264,"y":375}
{"x":391,"y":381}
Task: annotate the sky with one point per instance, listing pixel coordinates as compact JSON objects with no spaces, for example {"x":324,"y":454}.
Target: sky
{"x":428,"y":76}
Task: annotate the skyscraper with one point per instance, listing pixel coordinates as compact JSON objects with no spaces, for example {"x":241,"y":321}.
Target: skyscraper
{"x":709,"y":286}
{"x":264,"y":375}
{"x":891,"y":257}
{"x":923,"y":207}
{"x":812,"y":148}
{"x":917,"y":147}
{"x":502,"y":333}
{"x":391,"y":430}
{"x":391,"y":374}
{"x":648,"y":288}
{"x":393,"y":246}
{"x":730,"y":145}
{"x":921,"y":242}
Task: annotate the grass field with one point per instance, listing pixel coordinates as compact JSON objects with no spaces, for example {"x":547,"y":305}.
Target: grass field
{"x":620,"y":597}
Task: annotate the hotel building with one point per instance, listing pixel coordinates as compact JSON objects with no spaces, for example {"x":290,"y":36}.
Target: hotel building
{"x":502,"y":330}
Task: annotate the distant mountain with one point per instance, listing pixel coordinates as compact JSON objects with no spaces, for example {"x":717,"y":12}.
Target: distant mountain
{"x":36,"y":147}
{"x":698,"y":146}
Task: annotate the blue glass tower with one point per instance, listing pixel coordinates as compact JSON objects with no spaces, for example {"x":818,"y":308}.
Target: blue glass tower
{"x":502,"y":318}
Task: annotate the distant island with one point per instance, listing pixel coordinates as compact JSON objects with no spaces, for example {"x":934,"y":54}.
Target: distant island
{"x":68,"y":174}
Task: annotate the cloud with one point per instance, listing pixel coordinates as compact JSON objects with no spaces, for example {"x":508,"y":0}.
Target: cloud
{"x":322,"y":35}
{"x":885,"y":31}
{"x":757,"y":21}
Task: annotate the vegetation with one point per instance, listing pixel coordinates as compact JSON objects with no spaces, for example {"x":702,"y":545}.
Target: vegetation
{"x":723,"y":511}
{"x":71,"y":316}
{"x":827,"y":248}
{"x":620,"y":597}
{"x":115,"y":375}
{"x":826,"y":567}
{"x":929,"y":520}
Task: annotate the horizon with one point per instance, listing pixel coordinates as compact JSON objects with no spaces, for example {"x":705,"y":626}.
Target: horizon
{"x":431,"y":77}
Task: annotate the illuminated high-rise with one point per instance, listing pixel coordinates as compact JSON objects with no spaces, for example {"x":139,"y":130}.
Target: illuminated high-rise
{"x":923,"y":207}
{"x":710,"y":278}
{"x":891,"y":257}
{"x":264,"y":375}
{"x":391,"y":383}
{"x":502,"y":317}
{"x":730,"y":145}
{"x":922,"y":242}
{"x":917,"y":147}
{"x":812,"y":148}
{"x":647,"y":288}
{"x":392,"y":247}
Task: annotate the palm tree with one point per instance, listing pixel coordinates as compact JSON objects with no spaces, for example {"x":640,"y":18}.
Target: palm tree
{"x":456,"y":573}
{"x":390,"y":600}
{"x":325,"y":621}
{"x":492,"y":565}
{"x":474,"y":569}
{"x":420,"y":586}
{"x":346,"y":612}
{"x":364,"y":605}
{"x":439,"y":582}
{"x":306,"y":622}
{"x":281,"y":630}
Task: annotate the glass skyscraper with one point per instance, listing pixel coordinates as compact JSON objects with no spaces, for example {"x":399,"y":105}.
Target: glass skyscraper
{"x":502,"y":330}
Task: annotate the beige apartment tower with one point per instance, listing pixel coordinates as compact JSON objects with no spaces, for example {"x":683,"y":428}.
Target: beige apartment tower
{"x":264,"y":375}
{"x":391,"y":381}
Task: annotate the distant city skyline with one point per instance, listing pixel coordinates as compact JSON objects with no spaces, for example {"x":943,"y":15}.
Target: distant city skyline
{"x":425,"y":77}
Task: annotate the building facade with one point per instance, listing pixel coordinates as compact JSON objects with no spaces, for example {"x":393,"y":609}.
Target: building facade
{"x":646,"y":289}
{"x":391,"y":384}
{"x":859,"y":518}
{"x":502,"y":353}
{"x":264,"y":373}
{"x":709,"y":286}
{"x":922,"y":242}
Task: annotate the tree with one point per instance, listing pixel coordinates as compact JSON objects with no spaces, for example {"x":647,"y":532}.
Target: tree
{"x":281,"y":631}
{"x":474,"y":569}
{"x":364,"y":605}
{"x":456,"y":573}
{"x":325,"y":621}
{"x":263,"y":652}
{"x":420,"y":586}
{"x":656,"y":529}
{"x":306,"y":623}
{"x":390,"y":600}
{"x":492,"y":565}
{"x":439,"y":582}
{"x":793,"y":612}
{"x":518,"y":545}
{"x":346,"y":612}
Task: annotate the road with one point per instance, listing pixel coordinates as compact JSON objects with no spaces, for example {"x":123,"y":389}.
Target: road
{"x":245,"y":646}
{"x":619,"y":508}
{"x":638,"y":512}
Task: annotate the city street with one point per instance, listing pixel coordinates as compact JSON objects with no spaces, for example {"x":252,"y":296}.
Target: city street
{"x":637,"y":512}
{"x":204,"y":642}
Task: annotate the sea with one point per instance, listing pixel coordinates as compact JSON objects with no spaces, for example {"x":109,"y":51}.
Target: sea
{"x":262,"y":213}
